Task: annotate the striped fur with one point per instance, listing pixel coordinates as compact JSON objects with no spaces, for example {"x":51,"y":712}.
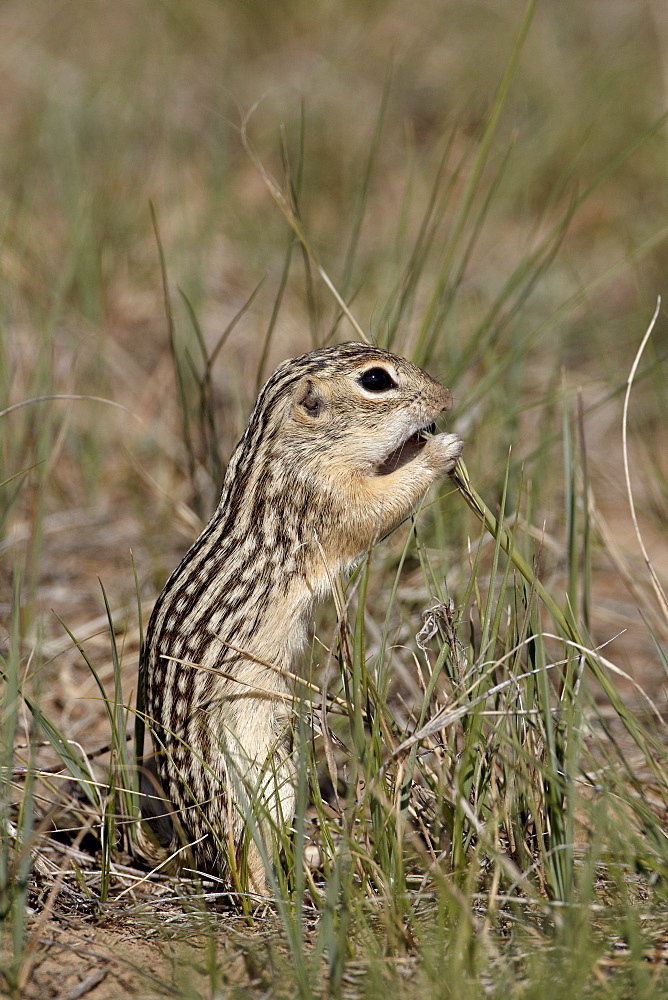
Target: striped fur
{"x":305,"y":493}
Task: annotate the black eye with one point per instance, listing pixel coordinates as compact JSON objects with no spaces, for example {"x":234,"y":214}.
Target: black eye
{"x":376,"y":380}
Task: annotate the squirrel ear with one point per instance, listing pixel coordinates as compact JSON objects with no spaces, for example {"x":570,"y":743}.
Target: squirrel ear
{"x":309,"y":399}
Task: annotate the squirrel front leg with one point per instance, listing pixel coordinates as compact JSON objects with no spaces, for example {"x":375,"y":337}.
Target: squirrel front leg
{"x":394,"y":497}
{"x":377,"y":504}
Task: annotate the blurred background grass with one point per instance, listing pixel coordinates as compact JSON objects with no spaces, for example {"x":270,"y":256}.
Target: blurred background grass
{"x":107,"y":109}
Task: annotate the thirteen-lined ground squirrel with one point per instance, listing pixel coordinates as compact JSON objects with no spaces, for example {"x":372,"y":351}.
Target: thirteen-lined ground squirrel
{"x":339,"y":450}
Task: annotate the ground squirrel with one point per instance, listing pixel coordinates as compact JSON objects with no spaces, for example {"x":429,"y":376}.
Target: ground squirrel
{"x":339,"y":449}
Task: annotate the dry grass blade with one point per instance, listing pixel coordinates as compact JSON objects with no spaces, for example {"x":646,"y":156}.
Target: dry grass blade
{"x":68,"y":396}
{"x":656,"y":583}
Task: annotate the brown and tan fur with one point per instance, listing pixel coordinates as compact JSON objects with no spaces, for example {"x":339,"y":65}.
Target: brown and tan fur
{"x":305,"y":494}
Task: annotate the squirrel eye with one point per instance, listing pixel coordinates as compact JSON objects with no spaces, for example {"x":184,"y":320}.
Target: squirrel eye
{"x":376,"y":380}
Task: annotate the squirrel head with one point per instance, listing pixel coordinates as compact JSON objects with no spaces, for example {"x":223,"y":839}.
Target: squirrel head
{"x":341,"y":444}
{"x":351,"y":410}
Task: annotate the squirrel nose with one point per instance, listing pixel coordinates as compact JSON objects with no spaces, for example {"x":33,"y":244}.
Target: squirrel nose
{"x":446,"y":399}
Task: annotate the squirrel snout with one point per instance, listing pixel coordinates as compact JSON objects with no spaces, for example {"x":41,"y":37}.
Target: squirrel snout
{"x":444,"y":398}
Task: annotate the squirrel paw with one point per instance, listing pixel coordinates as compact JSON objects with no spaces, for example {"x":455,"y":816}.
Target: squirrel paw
{"x":444,"y":451}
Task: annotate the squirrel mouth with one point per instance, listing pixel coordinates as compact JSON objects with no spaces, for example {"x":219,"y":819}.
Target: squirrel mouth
{"x":406,"y":451}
